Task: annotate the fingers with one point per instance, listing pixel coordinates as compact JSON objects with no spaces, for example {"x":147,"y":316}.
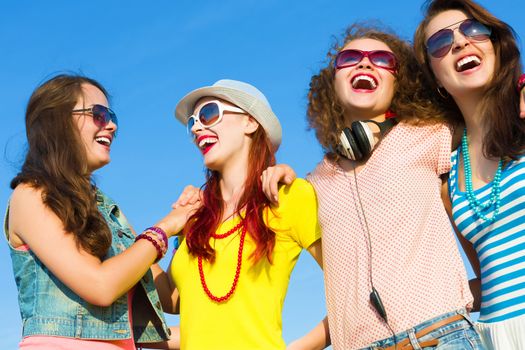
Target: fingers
{"x":176,"y":219}
{"x":289,"y":175}
{"x":271,"y":178}
{"x":190,"y":195}
{"x":269,"y":186}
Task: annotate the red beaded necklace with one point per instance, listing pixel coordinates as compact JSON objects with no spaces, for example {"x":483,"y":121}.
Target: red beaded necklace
{"x":237,"y":270}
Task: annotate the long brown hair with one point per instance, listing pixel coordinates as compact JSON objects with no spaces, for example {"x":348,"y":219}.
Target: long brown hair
{"x":499,"y":106}
{"x":411,"y":102}
{"x":56,"y":161}
{"x":208,"y":217}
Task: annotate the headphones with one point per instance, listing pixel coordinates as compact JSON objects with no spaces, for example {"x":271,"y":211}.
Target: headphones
{"x":357,"y":142}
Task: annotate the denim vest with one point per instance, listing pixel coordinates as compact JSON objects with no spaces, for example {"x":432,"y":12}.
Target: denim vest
{"x":49,"y":307}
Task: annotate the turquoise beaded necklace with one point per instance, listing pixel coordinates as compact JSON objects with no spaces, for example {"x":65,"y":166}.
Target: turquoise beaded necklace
{"x":475,"y":205}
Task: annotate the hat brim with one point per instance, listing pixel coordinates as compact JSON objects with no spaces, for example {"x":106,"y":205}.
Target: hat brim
{"x":258,"y":110}
{"x":184,"y":108}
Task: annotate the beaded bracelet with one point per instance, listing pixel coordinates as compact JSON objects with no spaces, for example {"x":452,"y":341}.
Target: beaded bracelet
{"x":521,"y":82}
{"x":156,"y":244}
{"x":159,"y":239}
{"x":160,"y":233}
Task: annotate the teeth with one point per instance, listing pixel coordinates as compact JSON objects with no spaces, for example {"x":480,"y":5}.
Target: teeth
{"x":365,"y":78}
{"x":206,"y":141}
{"x":104,"y":140}
{"x":467,"y":60}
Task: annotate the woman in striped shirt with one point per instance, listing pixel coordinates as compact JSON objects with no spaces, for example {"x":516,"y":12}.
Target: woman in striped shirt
{"x":473,"y":59}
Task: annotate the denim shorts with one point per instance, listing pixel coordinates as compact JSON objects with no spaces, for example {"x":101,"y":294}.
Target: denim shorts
{"x":458,"y":335}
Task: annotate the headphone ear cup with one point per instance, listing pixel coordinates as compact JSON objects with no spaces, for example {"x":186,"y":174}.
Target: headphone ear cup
{"x":364,"y":137}
{"x":349,"y":146}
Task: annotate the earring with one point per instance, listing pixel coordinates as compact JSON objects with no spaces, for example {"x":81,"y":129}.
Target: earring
{"x":444,"y":95}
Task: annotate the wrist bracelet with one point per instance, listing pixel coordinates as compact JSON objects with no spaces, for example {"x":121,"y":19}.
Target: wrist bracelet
{"x":160,"y":233}
{"x":160,"y":253}
{"x":521,"y":82}
{"x":159,"y":239}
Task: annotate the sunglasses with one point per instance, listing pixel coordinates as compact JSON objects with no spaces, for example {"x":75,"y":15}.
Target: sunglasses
{"x":379,"y":58}
{"x":210,"y":114}
{"x":440,"y":43}
{"x":102,"y":115}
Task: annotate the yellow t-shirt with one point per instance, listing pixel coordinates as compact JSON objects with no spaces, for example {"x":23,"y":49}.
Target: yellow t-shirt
{"x":251,"y":318}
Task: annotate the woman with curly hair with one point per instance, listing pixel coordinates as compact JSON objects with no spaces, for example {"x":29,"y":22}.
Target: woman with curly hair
{"x":473,"y":60}
{"x":394,"y":277}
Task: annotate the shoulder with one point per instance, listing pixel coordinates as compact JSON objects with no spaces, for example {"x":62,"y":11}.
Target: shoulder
{"x":25,"y":194}
{"x":299,"y":195}
{"x":26,"y":202}
{"x":296,"y":213}
{"x":423,"y":135}
{"x":425,"y":128}
{"x":325,"y":169}
{"x":299,"y":188}
{"x":102,"y":197}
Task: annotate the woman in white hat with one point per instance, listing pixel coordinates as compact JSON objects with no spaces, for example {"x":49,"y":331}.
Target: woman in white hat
{"x":234,"y":263}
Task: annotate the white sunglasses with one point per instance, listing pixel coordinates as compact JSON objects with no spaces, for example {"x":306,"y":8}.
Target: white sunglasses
{"x":210,"y":114}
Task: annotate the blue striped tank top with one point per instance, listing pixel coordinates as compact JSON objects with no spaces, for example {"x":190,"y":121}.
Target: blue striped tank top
{"x":500,"y":245}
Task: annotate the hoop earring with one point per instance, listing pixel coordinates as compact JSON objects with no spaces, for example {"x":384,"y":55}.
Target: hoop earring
{"x":443,"y":95}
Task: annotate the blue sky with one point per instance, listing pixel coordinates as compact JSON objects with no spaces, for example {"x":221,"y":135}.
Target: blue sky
{"x":149,"y":55}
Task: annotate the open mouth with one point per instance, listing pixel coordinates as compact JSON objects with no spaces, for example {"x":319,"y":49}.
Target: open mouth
{"x":364,"y":82}
{"x":103,"y":140}
{"x":205,"y":143}
{"x":467,"y":63}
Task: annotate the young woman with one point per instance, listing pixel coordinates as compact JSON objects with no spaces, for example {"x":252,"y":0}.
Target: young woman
{"x":83,"y":277}
{"x":474,"y":62}
{"x":394,"y":278}
{"x":233,"y":266}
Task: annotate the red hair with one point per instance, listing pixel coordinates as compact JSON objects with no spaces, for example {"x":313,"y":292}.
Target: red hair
{"x":207,"y":219}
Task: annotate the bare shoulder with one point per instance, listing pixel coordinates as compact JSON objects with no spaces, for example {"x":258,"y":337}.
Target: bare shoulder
{"x":25,"y":195}
{"x":28,"y":213}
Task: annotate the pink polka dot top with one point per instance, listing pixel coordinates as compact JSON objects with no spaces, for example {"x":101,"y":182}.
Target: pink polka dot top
{"x":415,"y":262}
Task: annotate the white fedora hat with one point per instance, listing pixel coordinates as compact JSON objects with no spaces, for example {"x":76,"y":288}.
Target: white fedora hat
{"x":243,"y":95}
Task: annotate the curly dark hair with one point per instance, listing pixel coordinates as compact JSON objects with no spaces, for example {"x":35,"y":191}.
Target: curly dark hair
{"x":505,"y":135}
{"x":412,"y":101}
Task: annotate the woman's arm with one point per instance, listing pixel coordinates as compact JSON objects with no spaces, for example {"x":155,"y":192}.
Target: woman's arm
{"x":168,"y":293}
{"x":316,"y":251}
{"x":318,"y":337}
{"x":98,"y":282}
{"x":468,"y":248}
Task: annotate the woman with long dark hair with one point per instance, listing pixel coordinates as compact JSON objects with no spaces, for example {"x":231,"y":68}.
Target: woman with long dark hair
{"x":473,"y":61}
{"x":83,"y":276}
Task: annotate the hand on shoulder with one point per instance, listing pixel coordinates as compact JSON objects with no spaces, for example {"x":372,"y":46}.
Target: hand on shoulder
{"x":273,"y":176}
